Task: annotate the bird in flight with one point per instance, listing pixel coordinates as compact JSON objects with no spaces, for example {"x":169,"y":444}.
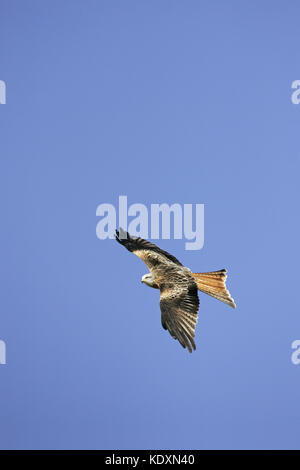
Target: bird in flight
{"x":179,"y":302}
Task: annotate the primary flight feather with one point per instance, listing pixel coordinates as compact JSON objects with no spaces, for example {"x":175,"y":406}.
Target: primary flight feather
{"x":179,"y":302}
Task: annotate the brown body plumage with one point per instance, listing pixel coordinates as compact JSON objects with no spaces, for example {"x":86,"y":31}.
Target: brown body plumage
{"x":178,"y":287}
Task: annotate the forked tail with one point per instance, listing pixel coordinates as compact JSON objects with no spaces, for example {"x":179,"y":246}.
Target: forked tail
{"x":214,"y":284}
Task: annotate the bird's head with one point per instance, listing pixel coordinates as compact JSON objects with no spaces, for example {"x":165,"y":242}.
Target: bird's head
{"x":149,"y":280}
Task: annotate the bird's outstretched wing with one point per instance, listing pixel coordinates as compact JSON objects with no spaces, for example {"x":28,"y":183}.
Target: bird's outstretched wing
{"x":151,"y":254}
{"x":179,"y":306}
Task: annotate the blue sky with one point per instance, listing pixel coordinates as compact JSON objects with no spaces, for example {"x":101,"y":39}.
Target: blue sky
{"x":162,"y":101}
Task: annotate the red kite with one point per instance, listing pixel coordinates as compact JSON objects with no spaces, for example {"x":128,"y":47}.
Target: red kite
{"x":178,"y":287}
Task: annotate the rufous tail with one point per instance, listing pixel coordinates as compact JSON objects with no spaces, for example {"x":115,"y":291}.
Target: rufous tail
{"x":214,"y":284}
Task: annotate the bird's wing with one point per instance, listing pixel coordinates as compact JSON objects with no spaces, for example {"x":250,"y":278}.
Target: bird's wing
{"x":179,"y":305}
{"x":151,"y":254}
